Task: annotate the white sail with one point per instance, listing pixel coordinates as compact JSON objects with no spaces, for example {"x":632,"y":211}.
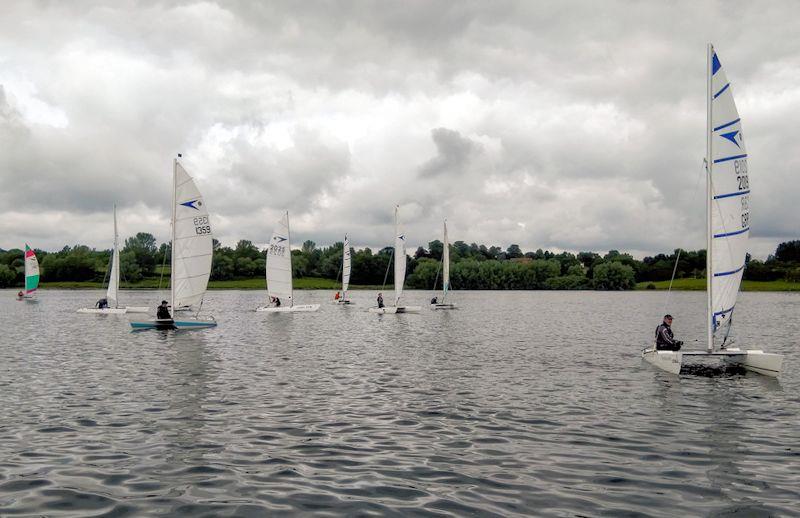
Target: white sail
{"x":399,"y":259}
{"x":346,"y":267}
{"x":192,"y":242}
{"x":445,"y":264}
{"x":729,"y":198}
{"x":279,"y":263}
{"x":113,"y":278}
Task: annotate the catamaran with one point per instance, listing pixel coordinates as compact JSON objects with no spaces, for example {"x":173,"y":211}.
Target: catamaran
{"x":113,"y":284}
{"x":346,"y":268}
{"x":192,"y":248}
{"x":399,"y":273}
{"x":279,"y":273}
{"x":728,"y":227}
{"x":31,"y":274}
{"x":445,"y":275}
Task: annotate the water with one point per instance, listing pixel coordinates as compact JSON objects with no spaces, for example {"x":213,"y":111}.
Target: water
{"x":519,"y":403}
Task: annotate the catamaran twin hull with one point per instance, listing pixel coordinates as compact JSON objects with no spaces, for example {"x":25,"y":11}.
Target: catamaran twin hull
{"x":753,"y":360}
{"x":443,"y":306}
{"x":301,"y":308}
{"x":115,"y":311}
{"x":394,"y":310}
{"x":173,"y":324}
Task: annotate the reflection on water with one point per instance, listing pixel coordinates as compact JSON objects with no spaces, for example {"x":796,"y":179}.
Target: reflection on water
{"x":516,"y":404}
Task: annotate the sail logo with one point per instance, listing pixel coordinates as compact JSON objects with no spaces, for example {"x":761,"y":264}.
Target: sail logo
{"x":401,"y":237}
{"x":279,"y":239}
{"x":193,"y":204}
{"x":734,"y":136}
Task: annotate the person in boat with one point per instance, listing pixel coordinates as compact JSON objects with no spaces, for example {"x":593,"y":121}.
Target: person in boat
{"x":380,"y":300}
{"x":21,"y":294}
{"x":163,"y":311}
{"x":665,"y":340}
{"x":337,"y":296}
{"x":435,"y":300}
{"x":102,"y":303}
{"x":277,"y":302}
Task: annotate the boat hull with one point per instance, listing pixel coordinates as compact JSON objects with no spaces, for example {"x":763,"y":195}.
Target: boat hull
{"x":174,"y":324}
{"x":104,"y":311}
{"x":137,"y":309}
{"x":443,"y":306}
{"x":301,"y":308}
{"x":343,"y":302}
{"x":753,"y":360}
{"x":391,"y":310}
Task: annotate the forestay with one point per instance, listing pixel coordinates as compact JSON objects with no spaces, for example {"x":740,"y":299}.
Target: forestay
{"x":113,"y":279}
{"x":399,"y":259}
{"x":279,"y":263}
{"x":192,"y":242}
{"x":729,"y":195}
{"x":346,"y":267}
{"x":31,"y":272}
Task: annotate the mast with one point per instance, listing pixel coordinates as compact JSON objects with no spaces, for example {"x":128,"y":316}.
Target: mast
{"x":709,"y":194}
{"x":445,"y":267}
{"x":289,"y":246}
{"x":172,"y":242}
{"x":115,"y":256}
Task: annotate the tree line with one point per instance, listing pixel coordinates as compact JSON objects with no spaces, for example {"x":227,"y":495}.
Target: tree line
{"x":473,"y":266}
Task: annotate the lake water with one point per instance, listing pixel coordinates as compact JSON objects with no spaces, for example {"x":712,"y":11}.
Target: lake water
{"x":519,"y":403}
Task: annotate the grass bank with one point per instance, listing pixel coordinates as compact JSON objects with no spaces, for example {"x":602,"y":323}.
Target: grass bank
{"x":258,"y":283}
{"x":700,"y":285}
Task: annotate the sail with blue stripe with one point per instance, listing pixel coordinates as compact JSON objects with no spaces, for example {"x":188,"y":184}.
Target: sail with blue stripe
{"x":729,"y":196}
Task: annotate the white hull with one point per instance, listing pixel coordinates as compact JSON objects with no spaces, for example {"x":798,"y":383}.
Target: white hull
{"x":137,"y":309}
{"x":302,"y":308}
{"x":104,"y":311}
{"x":752,"y":360}
{"x":393,"y":310}
{"x":443,"y":306}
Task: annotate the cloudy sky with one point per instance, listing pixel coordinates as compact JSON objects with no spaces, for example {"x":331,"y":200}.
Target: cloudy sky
{"x":560,"y":125}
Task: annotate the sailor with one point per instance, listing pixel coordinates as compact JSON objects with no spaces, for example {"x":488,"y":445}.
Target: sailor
{"x":163,"y":311}
{"x":435,"y":300}
{"x":277,"y":302}
{"x":380,"y":300}
{"x":20,"y":294}
{"x":665,"y":340}
{"x":102,"y":303}
{"x":337,"y":296}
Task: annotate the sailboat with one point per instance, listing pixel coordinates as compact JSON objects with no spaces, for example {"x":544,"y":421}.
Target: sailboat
{"x":192,"y":249}
{"x":279,"y":272}
{"x":728,"y":228}
{"x":346,"y":268}
{"x":113,"y":284}
{"x":399,"y":273}
{"x":445,"y":274}
{"x":31,"y":274}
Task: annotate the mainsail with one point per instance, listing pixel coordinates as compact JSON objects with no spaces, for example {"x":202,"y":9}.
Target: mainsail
{"x":279,"y":263}
{"x":113,"y":279}
{"x":346,"y":267}
{"x":399,"y":259}
{"x":728,"y":199}
{"x":192,"y":242}
{"x":31,"y":272}
{"x":445,"y":264}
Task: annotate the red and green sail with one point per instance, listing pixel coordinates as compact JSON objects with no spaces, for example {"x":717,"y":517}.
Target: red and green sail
{"x":31,"y":271}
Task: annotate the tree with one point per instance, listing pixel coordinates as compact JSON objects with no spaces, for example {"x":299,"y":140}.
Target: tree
{"x":7,"y":276}
{"x":788,"y":252}
{"x":143,"y":245}
{"x":222,"y":268}
{"x":613,"y":275}
{"x":513,"y":252}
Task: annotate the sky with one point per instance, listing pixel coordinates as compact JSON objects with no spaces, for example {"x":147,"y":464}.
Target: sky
{"x":554,"y":125}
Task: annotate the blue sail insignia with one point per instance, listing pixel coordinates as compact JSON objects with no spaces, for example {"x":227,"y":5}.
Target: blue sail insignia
{"x":193,"y":204}
{"x":732,"y":136}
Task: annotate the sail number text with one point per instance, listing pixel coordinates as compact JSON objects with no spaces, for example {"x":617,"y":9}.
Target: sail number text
{"x":277,"y":250}
{"x":201,"y":225}
{"x":740,"y":166}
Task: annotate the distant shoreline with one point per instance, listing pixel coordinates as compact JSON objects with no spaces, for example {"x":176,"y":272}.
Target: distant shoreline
{"x":316,"y":283}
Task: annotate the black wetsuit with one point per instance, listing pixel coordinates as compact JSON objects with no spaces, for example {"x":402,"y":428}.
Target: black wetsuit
{"x":380,"y":302}
{"x":163,"y":313}
{"x":665,"y":340}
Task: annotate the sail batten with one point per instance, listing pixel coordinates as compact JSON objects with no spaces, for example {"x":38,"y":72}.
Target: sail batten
{"x":728,"y":199}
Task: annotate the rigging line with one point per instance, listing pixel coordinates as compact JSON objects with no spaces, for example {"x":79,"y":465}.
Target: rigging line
{"x":386,"y":275}
{"x":678,"y":258}
{"x":438,"y":268}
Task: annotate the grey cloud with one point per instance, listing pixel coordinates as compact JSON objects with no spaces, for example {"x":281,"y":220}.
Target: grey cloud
{"x":453,"y":153}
